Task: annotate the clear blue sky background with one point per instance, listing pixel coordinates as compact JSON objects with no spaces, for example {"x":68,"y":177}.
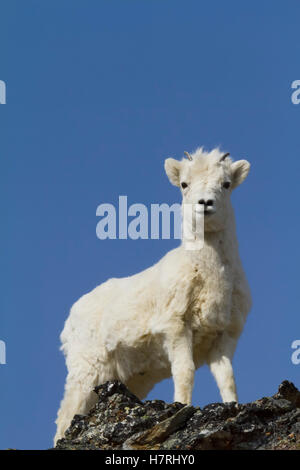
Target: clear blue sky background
{"x":99,"y":93}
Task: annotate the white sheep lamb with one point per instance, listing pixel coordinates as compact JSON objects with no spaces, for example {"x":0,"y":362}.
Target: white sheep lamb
{"x":187,"y":310}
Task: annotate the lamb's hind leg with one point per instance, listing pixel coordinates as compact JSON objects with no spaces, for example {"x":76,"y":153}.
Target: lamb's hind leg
{"x":78,"y":399}
{"x":219,"y":361}
{"x":82,"y":378}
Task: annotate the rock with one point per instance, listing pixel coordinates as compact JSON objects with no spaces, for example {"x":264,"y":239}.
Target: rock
{"x":288,"y":391}
{"x":120,"y":420}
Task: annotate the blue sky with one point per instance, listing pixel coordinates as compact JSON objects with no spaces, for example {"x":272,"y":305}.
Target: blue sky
{"x":99,"y":93}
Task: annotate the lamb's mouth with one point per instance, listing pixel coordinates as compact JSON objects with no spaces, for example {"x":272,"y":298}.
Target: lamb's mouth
{"x":205,"y":212}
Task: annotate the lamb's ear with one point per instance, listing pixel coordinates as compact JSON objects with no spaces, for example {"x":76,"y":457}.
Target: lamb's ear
{"x":172,"y":168}
{"x":239,"y":171}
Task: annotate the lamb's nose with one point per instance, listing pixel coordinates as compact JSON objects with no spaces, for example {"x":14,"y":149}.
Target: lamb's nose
{"x":209,"y":202}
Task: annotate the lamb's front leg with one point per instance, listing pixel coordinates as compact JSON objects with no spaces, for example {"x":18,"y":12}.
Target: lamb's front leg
{"x":180,"y":351}
{"x":220,"y":365}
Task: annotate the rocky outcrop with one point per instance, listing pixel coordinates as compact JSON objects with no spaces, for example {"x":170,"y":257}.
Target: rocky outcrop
{"x":120,"y":420}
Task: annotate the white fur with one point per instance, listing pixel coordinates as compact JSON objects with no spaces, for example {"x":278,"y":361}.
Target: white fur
{"x":186,"y":310}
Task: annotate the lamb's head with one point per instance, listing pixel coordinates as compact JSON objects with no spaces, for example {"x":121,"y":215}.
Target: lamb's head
{"x":206,"y":180}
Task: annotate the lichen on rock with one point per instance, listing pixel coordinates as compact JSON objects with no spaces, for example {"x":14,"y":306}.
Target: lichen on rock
{"x":119,"y":420}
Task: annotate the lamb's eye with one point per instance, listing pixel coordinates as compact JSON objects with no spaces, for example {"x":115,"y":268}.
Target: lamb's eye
{"x":226,"y":184}
{"x":184,"y":185}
